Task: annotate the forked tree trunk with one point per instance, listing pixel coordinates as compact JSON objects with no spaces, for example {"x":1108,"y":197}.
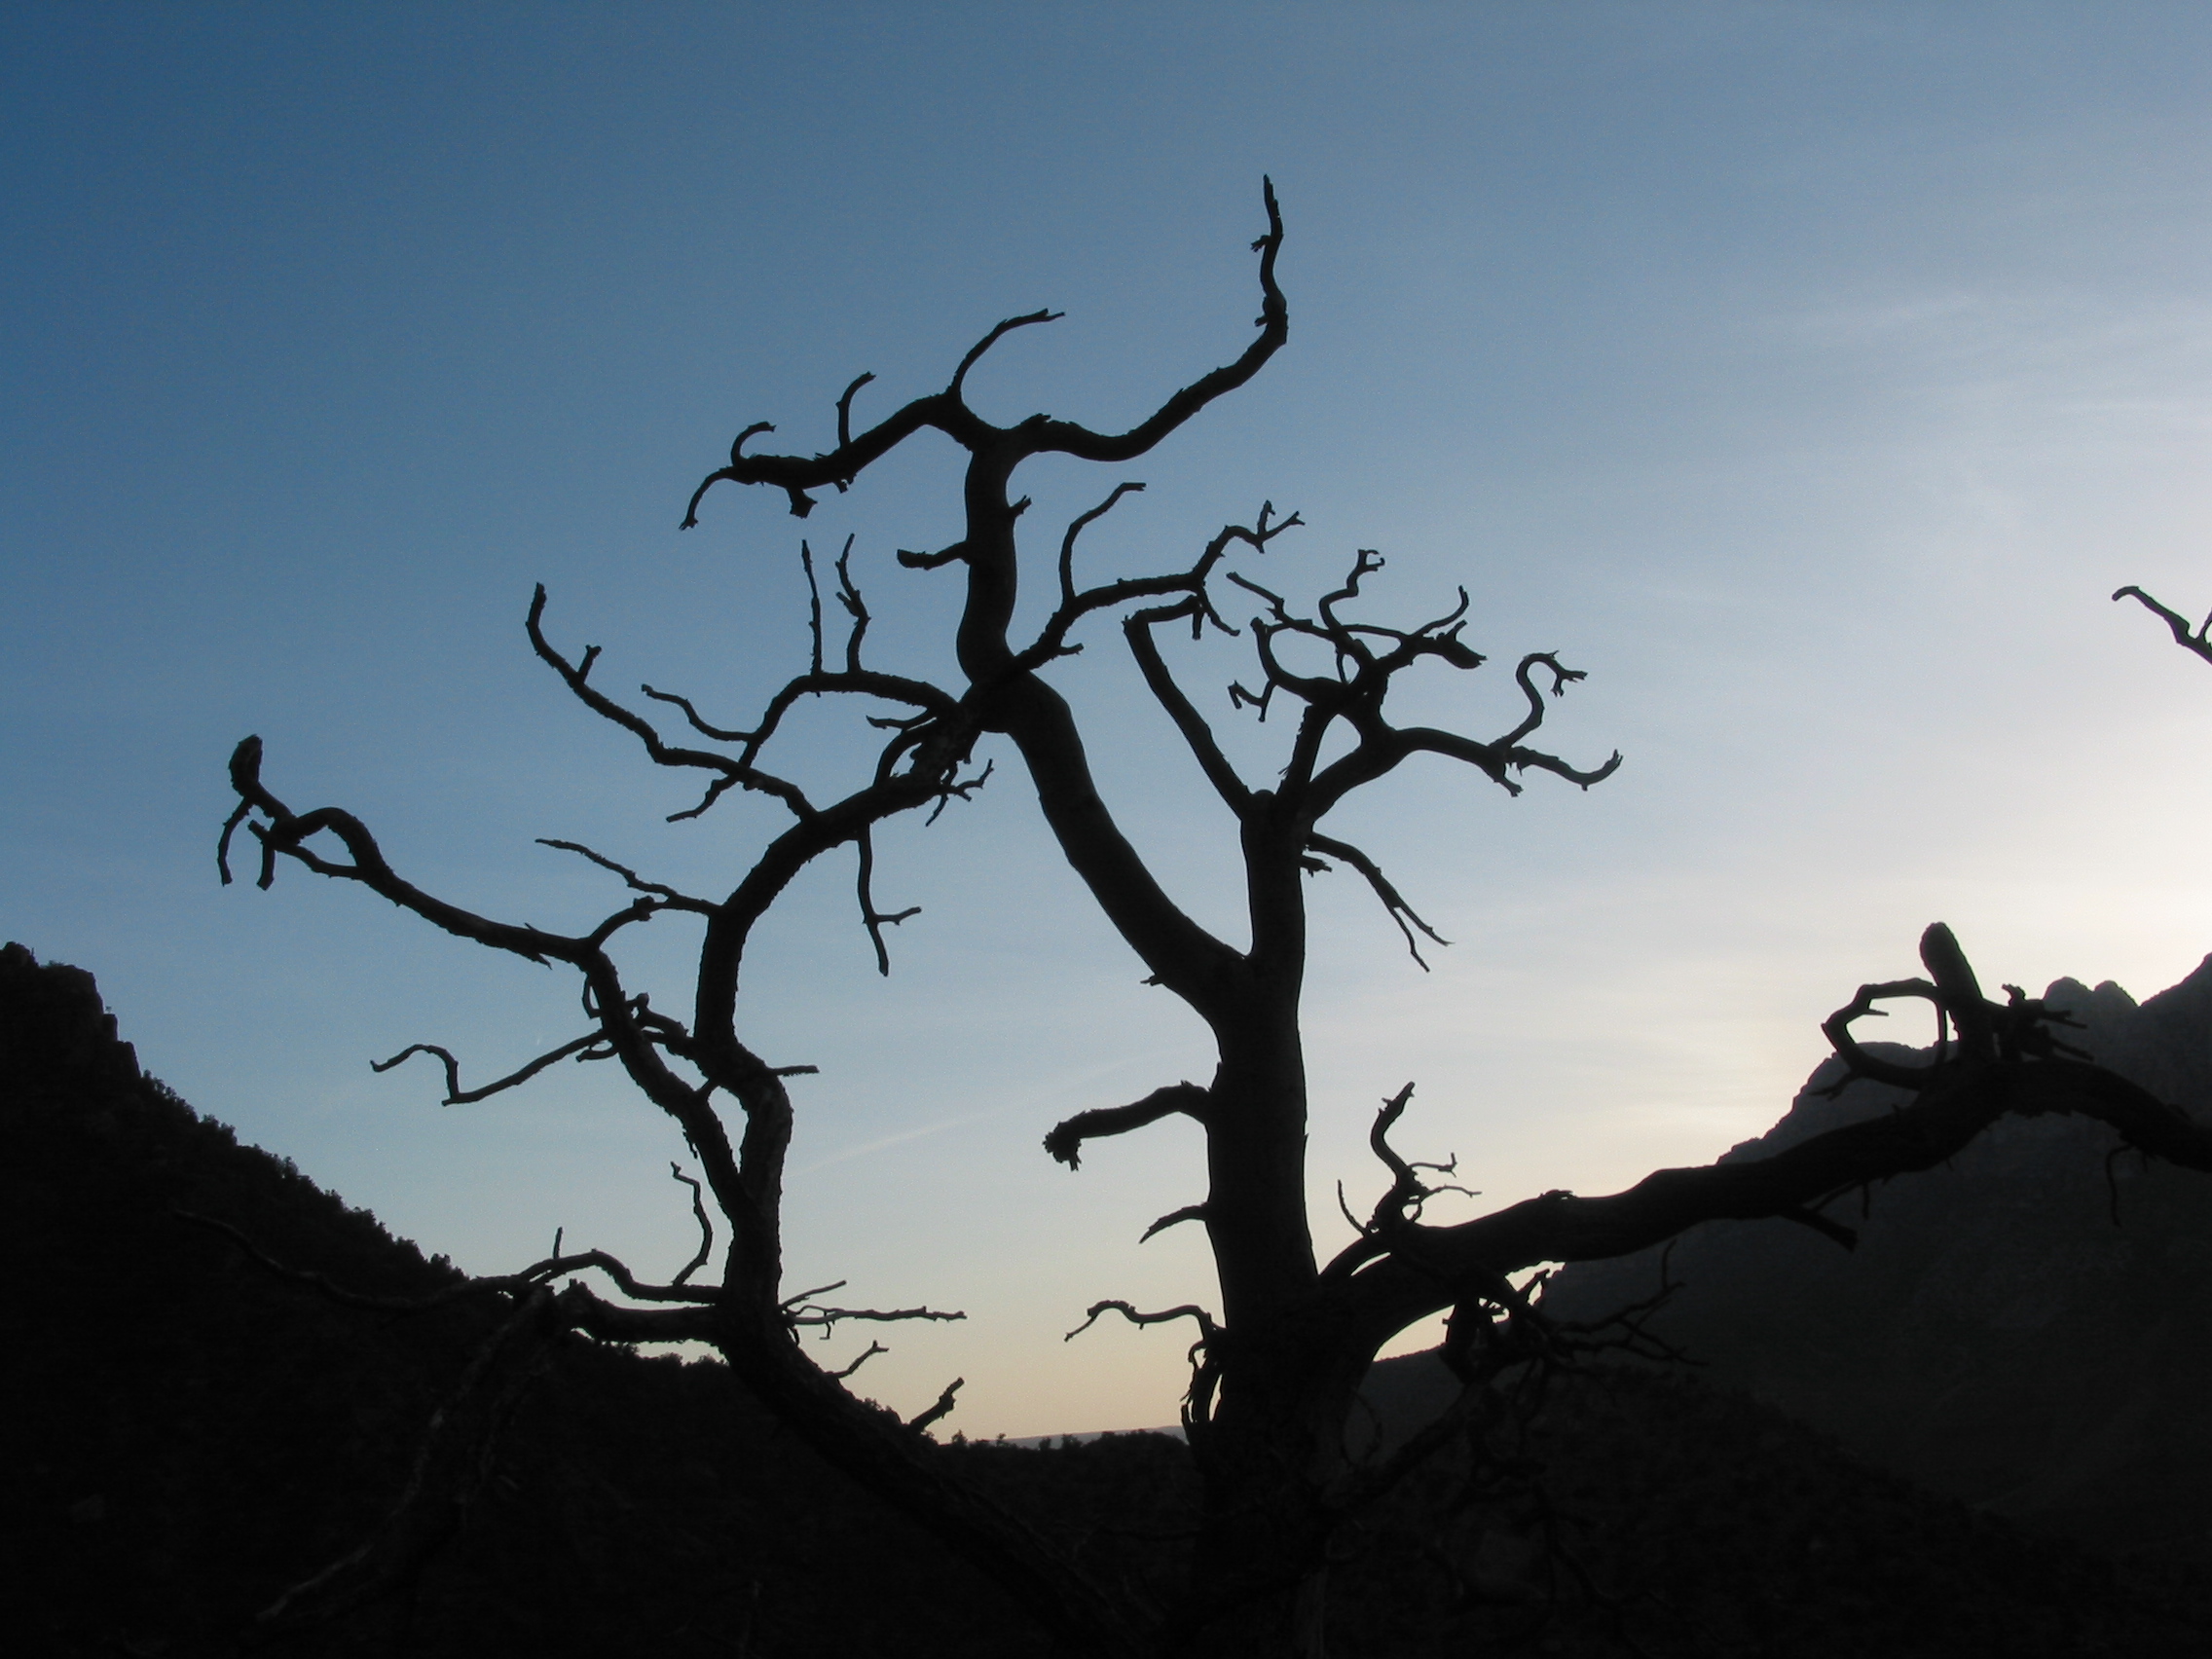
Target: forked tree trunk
{"x":1279,"y":1366}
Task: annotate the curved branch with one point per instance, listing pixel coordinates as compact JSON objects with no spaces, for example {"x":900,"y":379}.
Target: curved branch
{"x":455,"y":1095}
{"x":675,"y":901}
{"x":866,"y":1354}
{"x":706,"y":1227}
{"x":1066,"y":437}
{"x":1956,"y":1104}
{"x":846,"y":414}
{"x":1180,"y":954}
{"x":1857,"y":1060}
{"x":1366,"y":561}
{"x":1561,"y":678}
{"x":1393,"y":902}
{"x":1207,"y":1329}
{"x":698,"y":724}
{"x":852,"y":682}
{"x":662,"y":753}
{"x":1066,"y":1142}
{"x":1392,"y":1223}
{"x":1174,"y":1218}
{"x":1076,"y":528}
{"x":1197,"y":736}
{"x":287,"y":833}
{"x":939,"y":1411}
{"x":872,"y":919}
{"x":956,"y":390}
{"x":2197,"y":642}
{"x":1386,"y":749}
{"x":796,"y":475}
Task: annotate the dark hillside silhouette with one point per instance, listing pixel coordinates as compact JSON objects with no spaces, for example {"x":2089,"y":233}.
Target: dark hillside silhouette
{"x":187,"y":1434}
{"x":2028,"y":1327}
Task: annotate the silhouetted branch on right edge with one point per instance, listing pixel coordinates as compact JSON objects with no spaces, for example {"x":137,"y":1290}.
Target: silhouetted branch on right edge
{"x":2003,"y":1062}
{"x":2199,"y":641}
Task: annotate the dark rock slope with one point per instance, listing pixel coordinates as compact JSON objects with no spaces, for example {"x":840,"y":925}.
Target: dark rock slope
{"x":2029,"y":1329}
{"x":185,"y":1435}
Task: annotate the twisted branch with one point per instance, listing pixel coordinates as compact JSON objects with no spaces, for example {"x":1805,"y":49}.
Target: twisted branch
{"x":706,"y":1227}
{"x":455,"y":1095}
{"x":1393,"y":904}
{"x":2199,"y":641}
{"x":941,"y":1409}
{"x":1207,"y":1329}
{"x":1066,"y":1142}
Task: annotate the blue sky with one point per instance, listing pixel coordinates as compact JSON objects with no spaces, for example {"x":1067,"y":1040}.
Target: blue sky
{"x":1808,"y":374}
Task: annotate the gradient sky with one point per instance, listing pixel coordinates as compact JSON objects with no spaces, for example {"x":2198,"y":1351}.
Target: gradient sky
{"x":1809,"y":375}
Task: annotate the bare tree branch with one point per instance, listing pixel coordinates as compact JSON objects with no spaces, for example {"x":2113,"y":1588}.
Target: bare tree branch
{"x":866,"y":1354}
{"x":675,"y":901}
{"x":941,"y":1409}
{"x":1066,"y":1142}
{"x":948,"y":413}
{"x":455,"y":1095}
{"x":2197,"y":642}
{"x":872,"y":919}
{"x":1174,"y":1218}
{"x":574,"y":676}
{"x":1274,"y":323}
{"x":678,"y":1325}
{"x":1189,"y":1311}
{"x":1398,"y":909}
{"x":814,"y":1316}
{"x":706,"y":1227}
{"x":1961,"y":1097}
{"x":1075,"y":529}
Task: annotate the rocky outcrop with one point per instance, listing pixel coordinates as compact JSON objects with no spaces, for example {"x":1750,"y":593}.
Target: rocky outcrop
{"x":58,"y":1040}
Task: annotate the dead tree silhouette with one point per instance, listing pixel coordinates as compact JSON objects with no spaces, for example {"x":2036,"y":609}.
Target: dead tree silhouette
{"x":1276,"y":1359}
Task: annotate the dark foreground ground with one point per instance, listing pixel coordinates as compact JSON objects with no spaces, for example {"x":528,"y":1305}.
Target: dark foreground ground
{"x":186,"y":1436}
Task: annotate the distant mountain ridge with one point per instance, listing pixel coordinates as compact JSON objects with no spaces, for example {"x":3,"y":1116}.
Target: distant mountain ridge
{"x":188,"y":1435}
{"x":1995,"y":1335}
